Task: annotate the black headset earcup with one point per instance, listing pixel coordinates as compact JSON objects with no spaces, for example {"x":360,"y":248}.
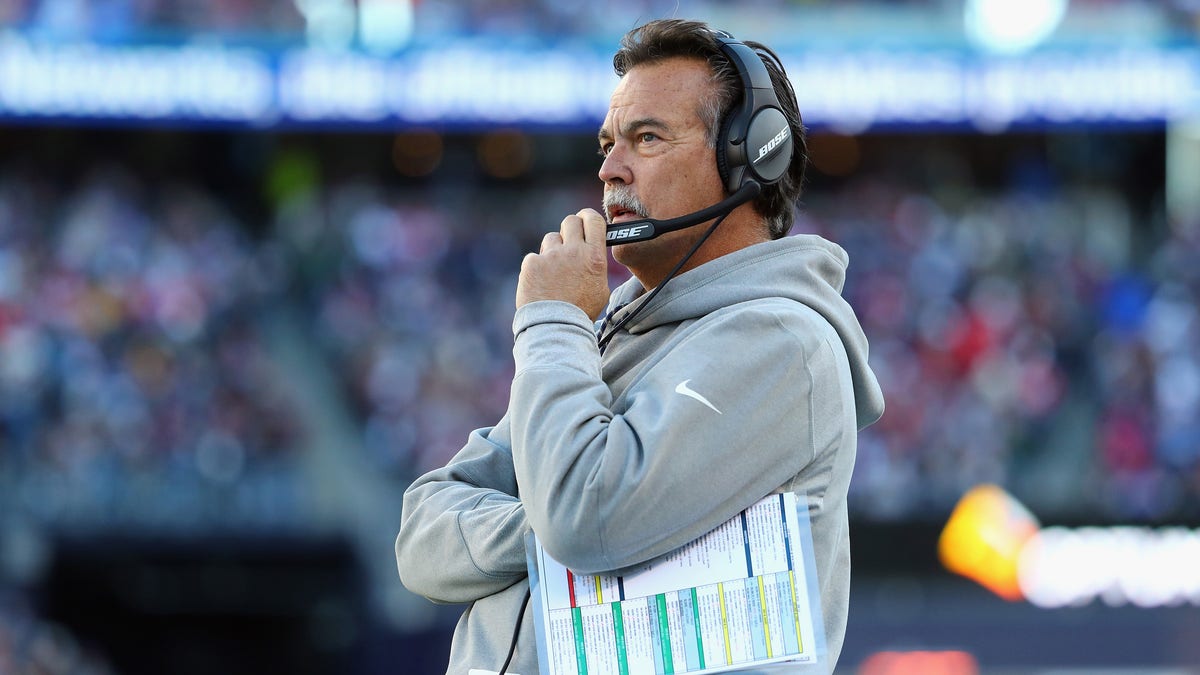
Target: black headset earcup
{"x":768,"y":146}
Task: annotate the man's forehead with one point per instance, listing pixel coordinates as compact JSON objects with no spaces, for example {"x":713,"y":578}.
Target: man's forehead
{"x":668,"y":90}
{"x":675,"y":75}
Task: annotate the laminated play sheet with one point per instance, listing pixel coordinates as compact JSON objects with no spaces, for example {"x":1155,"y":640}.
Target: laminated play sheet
{"x":742,"y":595}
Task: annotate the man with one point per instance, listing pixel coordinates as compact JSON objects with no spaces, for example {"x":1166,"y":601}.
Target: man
{"x":743,"y":374}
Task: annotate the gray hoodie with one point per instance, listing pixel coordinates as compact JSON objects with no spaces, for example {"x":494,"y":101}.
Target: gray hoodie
{"x":744,"y":376}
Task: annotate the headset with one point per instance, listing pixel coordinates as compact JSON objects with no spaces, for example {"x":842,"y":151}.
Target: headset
{"x":754,"y":148}
{"x":756,"y":139}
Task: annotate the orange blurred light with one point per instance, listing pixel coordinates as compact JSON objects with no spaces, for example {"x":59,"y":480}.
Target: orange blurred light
{"x":506,"y":153}
{"x":984,"y":537}
{"x":417,"y":152}
{"x":834,"y":154}
{"x":920,"y":663}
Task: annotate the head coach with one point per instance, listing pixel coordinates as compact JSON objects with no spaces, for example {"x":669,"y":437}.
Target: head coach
{"x":727,"y":368}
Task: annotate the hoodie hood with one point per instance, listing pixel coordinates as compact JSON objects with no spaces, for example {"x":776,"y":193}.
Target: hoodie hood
{"x":805,"y":268}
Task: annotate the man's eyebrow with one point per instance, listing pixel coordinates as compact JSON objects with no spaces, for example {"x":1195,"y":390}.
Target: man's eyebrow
{"x":633,"y":125}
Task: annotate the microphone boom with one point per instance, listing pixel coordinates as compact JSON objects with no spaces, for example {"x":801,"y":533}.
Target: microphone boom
{"x":649,"y":228}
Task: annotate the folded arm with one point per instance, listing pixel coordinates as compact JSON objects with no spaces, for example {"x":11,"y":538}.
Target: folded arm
{"x":462,"y":526}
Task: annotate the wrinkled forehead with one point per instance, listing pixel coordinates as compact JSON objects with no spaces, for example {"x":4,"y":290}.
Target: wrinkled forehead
{"x":671,"y":89}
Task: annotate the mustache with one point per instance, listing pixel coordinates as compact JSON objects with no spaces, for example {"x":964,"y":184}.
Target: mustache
{"x":622,"y":196}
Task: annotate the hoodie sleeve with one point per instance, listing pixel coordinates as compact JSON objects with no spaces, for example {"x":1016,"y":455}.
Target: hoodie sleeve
{"x":722,"y":419}
{"x":462,"y":527}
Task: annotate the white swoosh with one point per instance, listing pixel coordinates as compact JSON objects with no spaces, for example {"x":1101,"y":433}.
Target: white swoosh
{"x":683,"y":388}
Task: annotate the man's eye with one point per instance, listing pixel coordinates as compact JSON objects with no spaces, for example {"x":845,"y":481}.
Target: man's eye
{"x":647,"y":137}
{"x":605,"y":149}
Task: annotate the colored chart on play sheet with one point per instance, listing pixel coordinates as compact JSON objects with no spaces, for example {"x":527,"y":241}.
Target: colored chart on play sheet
{"x":735,"y":597}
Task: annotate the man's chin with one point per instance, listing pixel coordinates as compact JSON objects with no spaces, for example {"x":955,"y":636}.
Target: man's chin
{"x":638,"y":253}
{"x":628,"y":253}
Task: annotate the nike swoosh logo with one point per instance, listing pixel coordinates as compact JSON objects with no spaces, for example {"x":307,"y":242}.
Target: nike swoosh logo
{"x":683,"y":388}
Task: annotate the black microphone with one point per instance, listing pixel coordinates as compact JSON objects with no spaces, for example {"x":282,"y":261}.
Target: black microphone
{"x":649,"y":228}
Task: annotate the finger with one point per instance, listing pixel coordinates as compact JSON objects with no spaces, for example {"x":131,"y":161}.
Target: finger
{"x":594,"y":227}
{"x":550,"y":240}
{"x":571,"y":229}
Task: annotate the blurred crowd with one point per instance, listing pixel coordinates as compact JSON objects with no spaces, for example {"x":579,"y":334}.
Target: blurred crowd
{"x":134,"y":383}
{"x":1042,"y":337}
{"x":116,"y":20}
{"x":1023,"y":340}
{"x":292,"y":22}
{"x":412,"y":310}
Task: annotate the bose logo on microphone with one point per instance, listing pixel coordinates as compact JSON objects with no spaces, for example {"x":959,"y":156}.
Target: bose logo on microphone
{"x":772,"y":144}
{"x":626,"y":233}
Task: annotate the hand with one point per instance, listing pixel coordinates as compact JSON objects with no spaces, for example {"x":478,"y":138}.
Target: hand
{"x":572,"y":266}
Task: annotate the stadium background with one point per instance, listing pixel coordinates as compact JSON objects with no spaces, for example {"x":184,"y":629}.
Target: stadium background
{"x":257,"y":261}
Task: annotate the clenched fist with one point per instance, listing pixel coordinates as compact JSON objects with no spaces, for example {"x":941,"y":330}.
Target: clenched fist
{"x":572,"y":266}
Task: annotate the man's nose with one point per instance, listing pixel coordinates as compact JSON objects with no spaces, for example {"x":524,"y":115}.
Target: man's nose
{"x":615,"y":168}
